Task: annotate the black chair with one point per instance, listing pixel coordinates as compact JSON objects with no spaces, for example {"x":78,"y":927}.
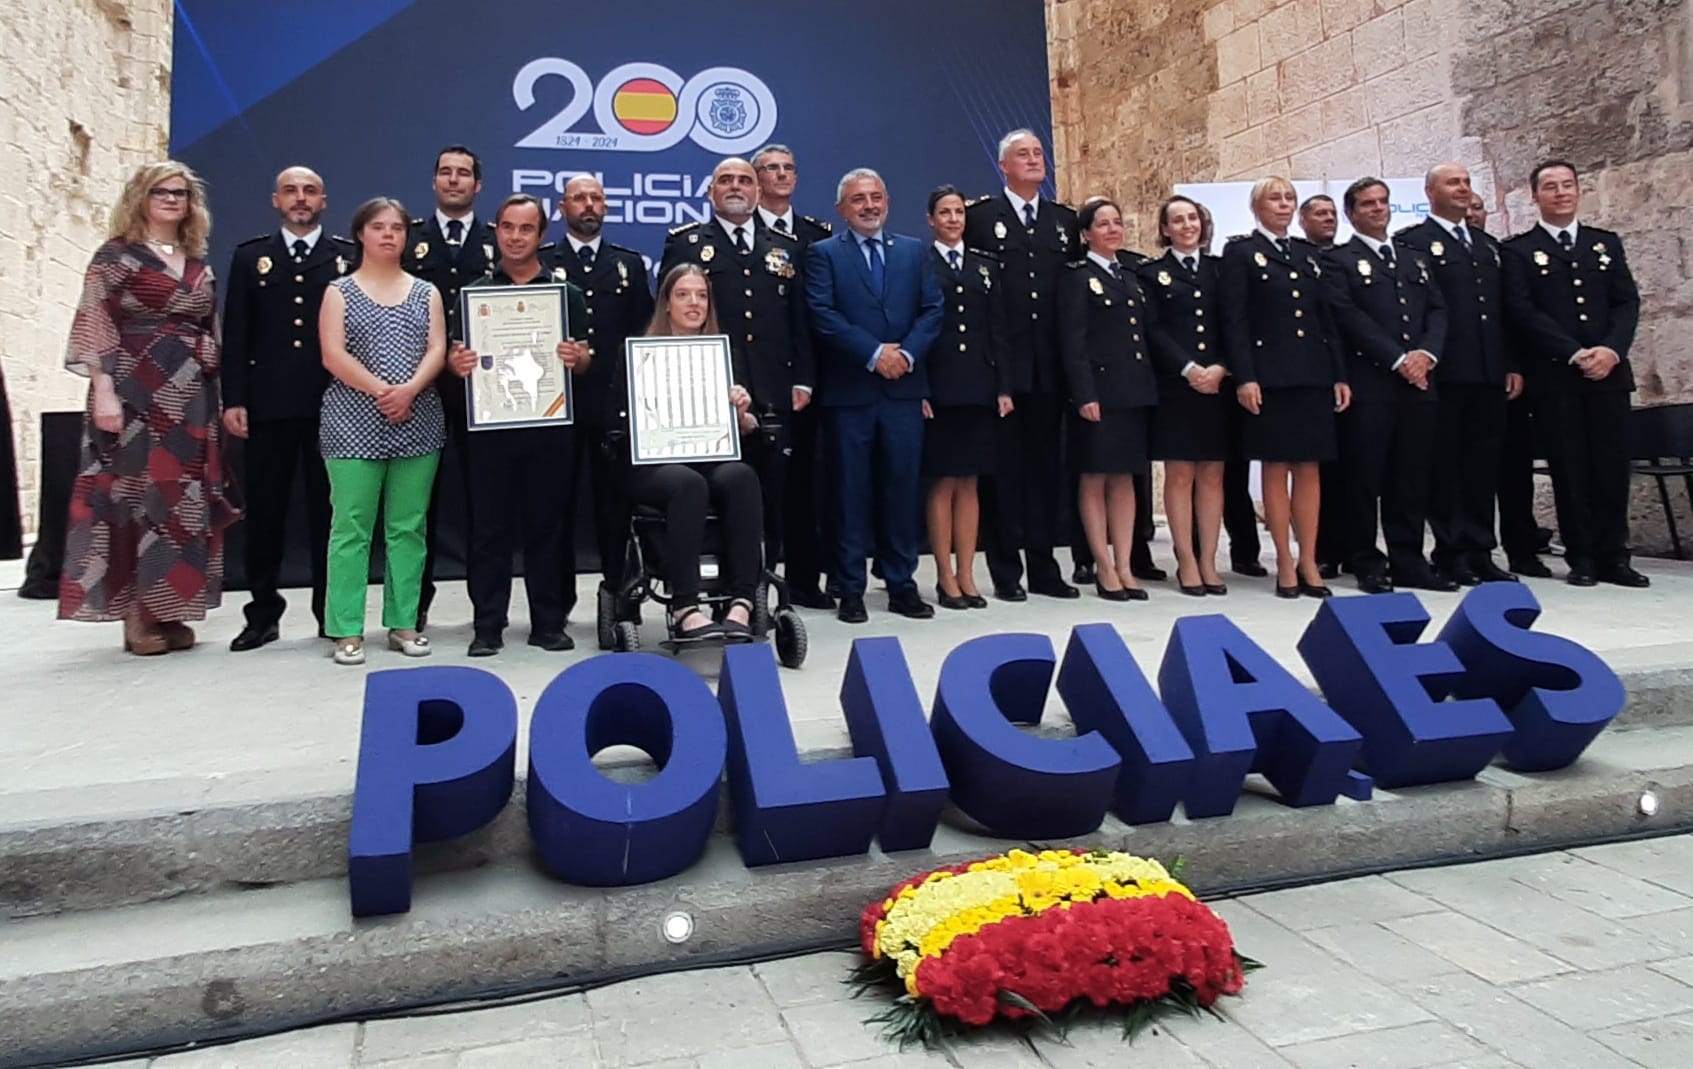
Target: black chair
{"x":1661,"y":445}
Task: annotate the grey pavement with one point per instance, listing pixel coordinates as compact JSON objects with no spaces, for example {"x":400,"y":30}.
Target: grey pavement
{"x":1576,"y":958}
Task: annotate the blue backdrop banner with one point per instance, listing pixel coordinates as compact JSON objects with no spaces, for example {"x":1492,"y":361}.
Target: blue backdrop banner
{"x":646,"y":96}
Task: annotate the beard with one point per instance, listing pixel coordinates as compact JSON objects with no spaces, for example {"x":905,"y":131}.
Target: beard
{"x":588,"y":224}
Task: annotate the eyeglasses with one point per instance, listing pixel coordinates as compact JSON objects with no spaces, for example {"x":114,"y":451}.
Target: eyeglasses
{"x":167,"y":193}
{"x":779,"y":168}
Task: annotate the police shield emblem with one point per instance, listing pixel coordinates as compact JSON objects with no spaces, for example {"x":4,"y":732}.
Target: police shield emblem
{"x":1093,"y":284}
{"x":1437,"y":247}
{"x":1164,"y":278}
{"x":999,"y":230}
{"x":1599,"y":247}
{"x":707,"y":253}
{"x":1540,"y":258}
{"x":1364,"y":268}
{"x":1260,"y":259}
{"x":263,"y":266}
{"x":421,"y":250}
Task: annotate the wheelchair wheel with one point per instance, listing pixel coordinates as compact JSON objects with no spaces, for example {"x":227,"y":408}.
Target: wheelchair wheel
{"x":790,"y":638}
{"x":761,"y":610}
{"x":627,"y":638}
{"x":606,"y":618}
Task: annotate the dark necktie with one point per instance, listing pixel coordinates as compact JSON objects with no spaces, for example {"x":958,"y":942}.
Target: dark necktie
{"x":782,"y":225}
{"x":1029,"y":216}
{"x":1387,"y":255}
{"x":300,"y":250}
{"x":1117,"y":271}
{"x":1287,"y":250}
{"x":455,"y":236}
{"x":874,"y":248}
{"x":1187,"y":262}
{"x":1565,"y":242}
{"x":1462,"y":234}
{"x":741,"y":239}
{"x":586,"y":253}
{"x":952,"y":258}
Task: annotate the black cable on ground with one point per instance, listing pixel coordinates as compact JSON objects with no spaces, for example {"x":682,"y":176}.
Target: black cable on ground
{"x":551,"y":988}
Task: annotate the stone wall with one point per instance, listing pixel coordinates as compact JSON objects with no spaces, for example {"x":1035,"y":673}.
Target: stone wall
{"x":1154,"y":92}
{"x":84,"y":97}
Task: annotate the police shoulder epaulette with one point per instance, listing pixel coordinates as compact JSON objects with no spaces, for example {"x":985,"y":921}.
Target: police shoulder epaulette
{"x":420,"y":221}
{"x":684,"y":228}
{"x":1236,"y":237}
{"x":781,"y":235}
{"x":978,"y":252}
{"x":254,"y":241}
{"x":1077,"y":265}
{"x":607,"y":246}
{"x":548,"y":247}
{"x":828,"y":228}
{"x":1519,"y":237}
{"x":339,"y":240}
{"x":983,"y":199}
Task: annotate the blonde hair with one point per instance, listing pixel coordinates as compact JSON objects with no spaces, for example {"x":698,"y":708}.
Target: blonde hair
{"x":1264,"y":187}
{"x":129,"y":218}
{"x":661,"y":327}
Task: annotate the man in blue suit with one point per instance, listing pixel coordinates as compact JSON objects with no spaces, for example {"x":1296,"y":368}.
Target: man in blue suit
{"x":875,"y":310}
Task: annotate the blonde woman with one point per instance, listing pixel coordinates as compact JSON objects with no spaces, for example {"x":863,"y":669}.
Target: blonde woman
{"x":147,"y":515}
{"x":1289,"y":373}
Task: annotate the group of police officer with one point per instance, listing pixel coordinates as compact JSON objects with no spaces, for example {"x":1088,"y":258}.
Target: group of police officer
{"x":1563,"y":284}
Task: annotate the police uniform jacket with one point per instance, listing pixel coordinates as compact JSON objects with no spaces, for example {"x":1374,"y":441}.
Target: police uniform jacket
{"x":272,"y":364}
{"x":807,"y":231}
{"x":966,"y":364}
{"x":1276,"y":326}
{"x":1033,"y":259}
{"x":1475,"y":351}
{"x":759,"y":298}
{"x":428,"y":256}
{"x":1383,"y":313}
{"x":1185,"y":327}
{"x":1104,"y":323}
{"x":619,"y":306}
{"x":1561,"y":302}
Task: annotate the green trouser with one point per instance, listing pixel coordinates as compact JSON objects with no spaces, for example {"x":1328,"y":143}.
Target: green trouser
{"x":356,"y":487}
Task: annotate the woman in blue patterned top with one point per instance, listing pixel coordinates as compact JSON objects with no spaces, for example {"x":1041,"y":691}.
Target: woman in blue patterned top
{"x":384,"y":339}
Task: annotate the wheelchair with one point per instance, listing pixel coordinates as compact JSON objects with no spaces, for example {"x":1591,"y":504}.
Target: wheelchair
{"x":618,"y":616}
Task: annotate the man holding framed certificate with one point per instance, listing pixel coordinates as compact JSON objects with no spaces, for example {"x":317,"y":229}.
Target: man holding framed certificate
{"x":524,"y":340}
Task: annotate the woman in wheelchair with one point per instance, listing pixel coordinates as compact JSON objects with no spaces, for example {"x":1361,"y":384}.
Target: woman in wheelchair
{"x":684,"y":492}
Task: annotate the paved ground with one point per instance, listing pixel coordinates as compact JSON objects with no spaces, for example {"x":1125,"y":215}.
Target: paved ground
{"x":1582,"y":958}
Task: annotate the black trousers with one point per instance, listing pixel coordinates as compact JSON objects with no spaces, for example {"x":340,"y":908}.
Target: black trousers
{"x":686,"y":493}
{"x":519,"y":496}
{"x":1519,"y":533}
{"x":1386,"y":450}
{"x":1586,"y":436}
{"x":769,"y":460}
{"x":274,"y":450}
{"x":455,"y":465}
{"x":1022,"y":504}
{"x":804,"y":562}
{"x":1334,"y":532}
{"x":1469,"y":440}
{"x":606,"y":468}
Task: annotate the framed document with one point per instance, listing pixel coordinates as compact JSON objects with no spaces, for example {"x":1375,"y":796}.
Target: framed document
{"x":679,"y":408}
{"x":518,"y":380}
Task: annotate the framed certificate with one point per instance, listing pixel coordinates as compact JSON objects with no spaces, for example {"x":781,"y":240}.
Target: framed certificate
{"x":518,"y":380}
{"x":679,"y":408}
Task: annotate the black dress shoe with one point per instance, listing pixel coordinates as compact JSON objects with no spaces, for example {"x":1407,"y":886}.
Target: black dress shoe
{"x":1249,"y":568}
{"x":251,"y":638}
{"x":485,"y":646}
{"x":1081,"y":576}
{"x":1427,"y":580}
{"x":851,"y":610}
{"x":1288,"y":591}
{"x":1375,"y":583}
{"x":910,"y":604}
{"x":811,"y":599}
{"x":1011,"y":593}
{"x":1488,"y":572}
{"x":1195,"y":591}
{"x":1056,"y":588}
{"x":1216,"y":589}
{"x":552,"y":641}
{"x":1314,"y":590}
{"x":1623,"y":575}
{"x":947,"y":601}
{"x":1150,"y":573}
{"x":1459,"y":573}
{"x":1531,"y":567}
{"x":976,"y":601}
{"x":1120,"y":594}
{"x":1582,"y":574}
{"x":1135,"y":593}
{"x":1328,"y":571}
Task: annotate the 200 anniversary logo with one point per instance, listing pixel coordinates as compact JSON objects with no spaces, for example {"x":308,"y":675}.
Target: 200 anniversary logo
{"x":647,"y":107}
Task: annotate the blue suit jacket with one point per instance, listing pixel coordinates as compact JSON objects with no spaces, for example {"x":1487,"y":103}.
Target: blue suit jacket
{"x":850,"y":319}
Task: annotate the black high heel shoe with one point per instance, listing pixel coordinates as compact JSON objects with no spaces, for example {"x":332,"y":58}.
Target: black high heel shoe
{"x":1313,"y":590}
{"x":1121,"y":594}
{"x":1288,"y":591}
{"x":1196,"y":591}
{"x":976,"y":601}
{"x":1218,"y":589}
{"x":947,"y":601}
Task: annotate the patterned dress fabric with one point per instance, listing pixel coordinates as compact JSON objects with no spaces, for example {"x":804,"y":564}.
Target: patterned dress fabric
{"x":148,"y":510}
{"x":390,"y":341}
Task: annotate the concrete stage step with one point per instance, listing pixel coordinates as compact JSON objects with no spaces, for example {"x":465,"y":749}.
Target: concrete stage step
{"x":117,"y":979}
